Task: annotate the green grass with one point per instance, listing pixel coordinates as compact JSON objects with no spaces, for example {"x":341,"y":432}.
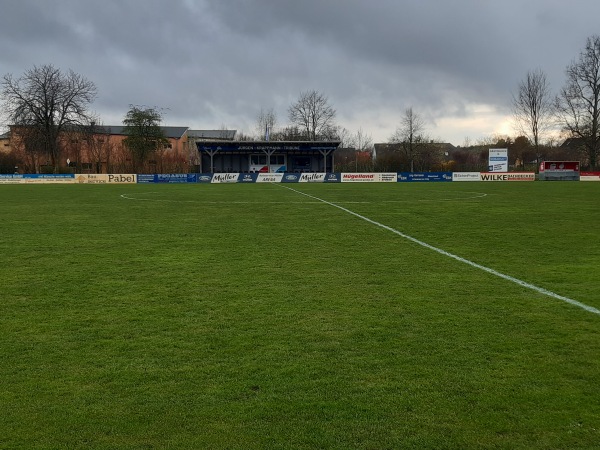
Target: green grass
{"x":250,"y":316}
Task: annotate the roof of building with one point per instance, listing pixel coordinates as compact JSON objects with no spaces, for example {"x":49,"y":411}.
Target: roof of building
{"x":573,"y":143}
{"x":170,"y":132}
{"x":212,"y":134}
{"x":273,"y":146}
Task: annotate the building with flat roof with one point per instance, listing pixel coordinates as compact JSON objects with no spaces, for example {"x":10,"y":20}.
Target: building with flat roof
{"x":266,"y":156}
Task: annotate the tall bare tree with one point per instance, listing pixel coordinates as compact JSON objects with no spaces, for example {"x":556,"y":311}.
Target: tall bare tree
{"x":362,"y":140}
{"x":410,"y":136}
{"x":578,"y":103}
{"x":533,"y":108}
{"x":48,"y":101}
{"x":265,"y":123}
{"x":100,"y":149}
{"x":313,"y":114}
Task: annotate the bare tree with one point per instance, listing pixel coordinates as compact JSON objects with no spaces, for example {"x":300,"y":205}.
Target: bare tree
{"x":49,"y":101}
{"x":312,"y":114}
{"x":362,"y":141}
{"x":345,"y":137}
{"x":98,"y":145}
{"x":265,"y":123}
{"x":409,"y":135}
{"x":578,"y":103}
{"x":533,"y":109}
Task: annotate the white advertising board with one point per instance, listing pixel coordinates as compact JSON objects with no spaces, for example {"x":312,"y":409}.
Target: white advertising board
{"x":466,"y":176}
{"x":498,"y":160}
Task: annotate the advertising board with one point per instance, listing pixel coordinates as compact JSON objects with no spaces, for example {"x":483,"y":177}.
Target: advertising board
{"x":175,"y":178}
{"x":87,"y":178}
{"x":204,"y":177}
{"x":559,"y":171}
{"x":37,"y":178}
{"x":312,"y":178}
{"x":225,"y":178}
{"x":11,"y":179}
{"x":333,"y":178}
{"x":508,"y":176}
{"x":290,"y":177}
{"x":269,"y":178}
{"x":589,"y":176}
{"x":358,"y":178}
{"x":466,"y":176}
{"x":248,"y":178}
{"x":386,"y":177}
{"x":127,"y":178}
{"x":498,"y":160}
{"x":424,"y":176}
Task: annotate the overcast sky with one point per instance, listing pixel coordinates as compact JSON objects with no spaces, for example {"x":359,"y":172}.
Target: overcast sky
{"x":215,"y":63}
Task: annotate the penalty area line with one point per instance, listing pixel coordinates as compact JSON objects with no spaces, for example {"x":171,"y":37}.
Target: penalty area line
{"x":489,"y":270}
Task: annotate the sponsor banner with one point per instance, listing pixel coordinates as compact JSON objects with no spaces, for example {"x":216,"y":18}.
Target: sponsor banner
{"x":248,"y":178}
{"x":70,"y":178}
{"x":290,"y":177}
{"x":146,"y":178}
{"x":225,"y":178}
{"x":127,"y":178}
{"x":559,"y":166}
{"x":39,"y":178}
{"x":333,"y":178}
{"x":589,"y":176}
{"x":358,"y":178}
{"x":168,"y":178}
{"x":269,"y":178}
{"x":498,"y":160}
{"x":508,"y":176}
{"x":386,"y":177}
{"x":176,"y":178}
{"x":424,"y":176}
{"x":466,"y":176}
{"x":204,"y":177}
{"x":88,"y":178}
{"x":312,"y":178}
{"x":11,"y":179}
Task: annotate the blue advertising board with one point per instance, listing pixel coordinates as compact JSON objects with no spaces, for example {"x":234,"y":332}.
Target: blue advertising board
{"x":333,"y":178}
{"x":290,"y":177}
{"x":424,"y":176}
{"x":176,"y":178}
{"x":168,"y":178}
{"x":146,"y":178}
{"x":204,"y":178}
{"x":247,"y":178}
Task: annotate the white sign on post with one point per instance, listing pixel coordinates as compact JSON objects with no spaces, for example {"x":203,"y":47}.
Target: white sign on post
{"x":498,"y":161}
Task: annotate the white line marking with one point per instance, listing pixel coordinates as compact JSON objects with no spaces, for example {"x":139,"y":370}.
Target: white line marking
{"x":456,"y":257}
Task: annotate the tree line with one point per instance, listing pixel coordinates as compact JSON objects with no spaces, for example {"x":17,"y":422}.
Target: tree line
{"x":47,"y":106}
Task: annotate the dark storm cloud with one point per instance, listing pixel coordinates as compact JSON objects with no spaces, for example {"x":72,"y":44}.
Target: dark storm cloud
{"x":210,"y":63}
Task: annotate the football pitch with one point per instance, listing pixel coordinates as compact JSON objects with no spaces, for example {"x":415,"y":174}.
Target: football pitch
{"x":401,"y":315}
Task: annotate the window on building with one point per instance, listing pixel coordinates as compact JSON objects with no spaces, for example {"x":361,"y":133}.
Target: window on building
{"x":257,"y":160}
{"x":278,"y":160}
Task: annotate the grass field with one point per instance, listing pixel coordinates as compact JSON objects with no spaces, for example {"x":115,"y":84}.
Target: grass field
{"x":253,"y":316}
